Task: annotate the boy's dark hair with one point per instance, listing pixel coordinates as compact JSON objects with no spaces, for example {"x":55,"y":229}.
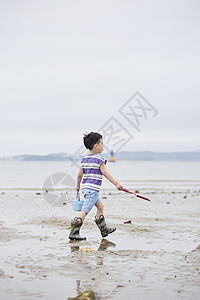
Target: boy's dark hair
{"x":90,"y":139}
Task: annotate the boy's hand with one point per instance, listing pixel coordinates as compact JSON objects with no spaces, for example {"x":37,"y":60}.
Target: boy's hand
{"x":119,"y":186}
{"x":77,"y":188}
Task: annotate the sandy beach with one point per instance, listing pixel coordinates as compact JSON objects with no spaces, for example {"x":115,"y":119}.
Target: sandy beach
{"x":150,"y":256}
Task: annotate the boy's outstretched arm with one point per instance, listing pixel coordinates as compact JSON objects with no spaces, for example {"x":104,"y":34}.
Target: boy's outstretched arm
{"x":109,"y":177}
{"x":79,"y":178}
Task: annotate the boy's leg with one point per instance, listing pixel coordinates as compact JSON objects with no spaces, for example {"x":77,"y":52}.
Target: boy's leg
{"x":82,"y":215}
{"x":100,"y":207}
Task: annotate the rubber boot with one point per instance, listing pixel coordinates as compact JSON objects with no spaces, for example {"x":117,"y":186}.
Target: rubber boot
{"x":75,"y":228}
{"x":101,"y":223}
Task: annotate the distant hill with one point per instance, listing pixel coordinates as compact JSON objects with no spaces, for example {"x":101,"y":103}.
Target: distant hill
{"x":125,"y":155}
{"x":156,"y":156}
{"x":48,"y":157}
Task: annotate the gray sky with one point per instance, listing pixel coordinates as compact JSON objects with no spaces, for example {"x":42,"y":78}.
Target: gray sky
{"x":66,"y":67}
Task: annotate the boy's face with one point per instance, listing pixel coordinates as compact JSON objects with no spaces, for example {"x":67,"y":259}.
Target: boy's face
{"x":99,"y":146}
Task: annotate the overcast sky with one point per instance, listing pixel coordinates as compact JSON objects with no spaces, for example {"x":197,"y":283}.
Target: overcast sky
{"x":66,"y":67}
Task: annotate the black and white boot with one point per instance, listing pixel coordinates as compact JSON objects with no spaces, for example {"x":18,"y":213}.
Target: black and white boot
{"x":75,"y":229}
{"x":101,"y":223}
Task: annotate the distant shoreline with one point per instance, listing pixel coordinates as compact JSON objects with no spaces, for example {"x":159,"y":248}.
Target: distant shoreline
{"x":125,"y":155}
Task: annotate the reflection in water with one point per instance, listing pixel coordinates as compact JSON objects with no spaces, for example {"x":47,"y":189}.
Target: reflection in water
{"x":78,"y":286}
{"x":99,"y":260}
{"x":105,"y":244}
{"x":75,"y":246}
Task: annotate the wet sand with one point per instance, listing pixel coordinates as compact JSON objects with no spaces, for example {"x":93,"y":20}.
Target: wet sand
{"x":150,"y":257}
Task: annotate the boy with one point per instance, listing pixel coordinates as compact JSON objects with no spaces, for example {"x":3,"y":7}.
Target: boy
{"x":93,"y":167}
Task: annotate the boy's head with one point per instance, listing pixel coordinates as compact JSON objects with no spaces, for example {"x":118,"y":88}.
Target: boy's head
{"x":93,"y":139}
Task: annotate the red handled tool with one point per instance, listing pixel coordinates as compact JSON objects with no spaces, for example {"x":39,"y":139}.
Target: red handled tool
{"x":144,"y":198}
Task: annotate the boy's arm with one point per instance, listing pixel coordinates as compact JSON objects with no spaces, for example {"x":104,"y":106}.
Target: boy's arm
{"x":79,"y":178}
{"x":109,"y":177}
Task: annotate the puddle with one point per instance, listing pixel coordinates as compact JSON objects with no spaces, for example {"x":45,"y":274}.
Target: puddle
{"x":126,"y":242}
{"x":53,"y":268}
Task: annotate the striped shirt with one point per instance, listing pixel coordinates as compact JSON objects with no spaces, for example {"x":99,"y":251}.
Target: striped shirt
{"x":92,"y":175}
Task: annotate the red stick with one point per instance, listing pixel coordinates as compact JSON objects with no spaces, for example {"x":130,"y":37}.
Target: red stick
{"x":142,"y":197}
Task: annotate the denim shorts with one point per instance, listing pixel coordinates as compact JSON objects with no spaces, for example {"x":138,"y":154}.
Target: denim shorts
{"x":91,"y":197}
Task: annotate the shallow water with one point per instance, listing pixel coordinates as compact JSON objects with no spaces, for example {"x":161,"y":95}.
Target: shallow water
{"x":26,"y":175}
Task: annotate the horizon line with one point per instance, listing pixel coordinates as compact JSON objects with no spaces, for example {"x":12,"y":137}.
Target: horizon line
{"x":159,"y":151}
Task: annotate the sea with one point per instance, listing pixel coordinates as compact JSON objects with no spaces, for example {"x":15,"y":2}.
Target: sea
{"x":38,"y":175}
